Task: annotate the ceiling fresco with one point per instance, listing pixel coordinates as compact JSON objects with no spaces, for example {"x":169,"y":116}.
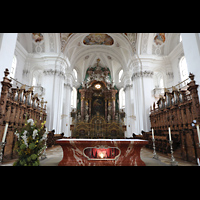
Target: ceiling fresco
{"x":98,"y":39}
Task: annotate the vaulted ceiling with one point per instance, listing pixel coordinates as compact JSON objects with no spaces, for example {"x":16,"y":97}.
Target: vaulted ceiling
{"x":114,"y":56}
{"x":115,"y":50}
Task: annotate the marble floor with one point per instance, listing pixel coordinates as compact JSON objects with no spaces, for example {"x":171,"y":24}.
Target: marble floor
{"x":164,"y":160}
{"x":54,"y":156}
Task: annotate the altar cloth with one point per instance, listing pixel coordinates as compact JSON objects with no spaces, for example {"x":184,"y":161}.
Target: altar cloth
{"x":129,"y":152}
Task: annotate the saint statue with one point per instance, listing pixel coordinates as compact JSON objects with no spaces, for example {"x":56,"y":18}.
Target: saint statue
{"x":87,"y":118}
{"x":79,"y":116}
{"x":109,"y":118}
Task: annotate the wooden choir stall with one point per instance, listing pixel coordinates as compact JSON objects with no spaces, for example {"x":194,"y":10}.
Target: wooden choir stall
{"x":17,"y":104}
{"x":179,"y":110}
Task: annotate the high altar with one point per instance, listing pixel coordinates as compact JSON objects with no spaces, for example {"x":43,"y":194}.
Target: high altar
{"x":98,"y":126}
{"x":97,"y":114}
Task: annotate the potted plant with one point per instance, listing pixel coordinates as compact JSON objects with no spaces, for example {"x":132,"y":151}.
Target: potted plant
{"x":30,"y":143}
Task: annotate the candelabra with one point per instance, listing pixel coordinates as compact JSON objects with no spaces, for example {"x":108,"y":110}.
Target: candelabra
{"x":155,"y":156}
{"x":198,"y":158}
{"x":44,"y":155}
{"x":2,"y":144}
{"x":173,"y":161}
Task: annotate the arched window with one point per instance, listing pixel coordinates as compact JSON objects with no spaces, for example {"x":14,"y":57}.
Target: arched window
{"x":73,"y":97}
{"x":75,"y":74}
{"x":34,"y":81}
{"x":120,"y":75}
{"x":121,"y":99}
{"x":180,"y":38}
{"x":183,"y":68}
{"x":161,"y":83}
{"x":13,"y":67}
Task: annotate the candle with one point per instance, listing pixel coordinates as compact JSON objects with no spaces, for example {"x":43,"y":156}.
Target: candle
{"x":152,"y":133}
{"x":198,"y":132}
{"x":170,"y":137}
{"x":5,"y":132}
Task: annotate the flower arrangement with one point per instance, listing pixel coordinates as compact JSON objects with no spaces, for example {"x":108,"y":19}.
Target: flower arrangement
{"x":30,"y":143}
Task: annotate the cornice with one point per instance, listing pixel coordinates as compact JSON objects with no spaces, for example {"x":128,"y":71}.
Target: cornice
{"x":51,"y":72}
{"x":142,"y":74}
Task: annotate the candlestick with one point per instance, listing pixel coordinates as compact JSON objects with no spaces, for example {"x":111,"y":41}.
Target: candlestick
{"x":173,"y":161}
{"x":170,"y":136}
{"x":2,"y":145}
{"x":5,"y":132}
{"x":44,"y":155}
{"x":152,"y":133}
{"x":198,"y":132}
{"x":155,"y":156}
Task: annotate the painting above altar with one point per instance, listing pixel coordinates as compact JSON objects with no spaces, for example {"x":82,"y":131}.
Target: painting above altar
{"x":98,"y":106}
{"x":98,"y":39}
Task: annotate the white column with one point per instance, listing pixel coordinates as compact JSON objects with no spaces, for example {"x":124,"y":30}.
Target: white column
{"x":66,"y":121}
{"x":53,"y":83}
{"x":142,"y":86}
{"x":138,"y":104}
{"x":47,"y":83}
{"x":7,"y":49}
{"x":127,"y":90}
{"x":191,"y":47}
{"x":148,"y":85}
{"x":57,"y":101}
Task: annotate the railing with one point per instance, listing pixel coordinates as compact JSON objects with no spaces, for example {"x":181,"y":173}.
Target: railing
{"x":157,"y":92}
{"x":36,"y":89}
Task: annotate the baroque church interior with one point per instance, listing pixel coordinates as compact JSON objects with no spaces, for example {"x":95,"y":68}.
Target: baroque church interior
{"x":141,"y":86}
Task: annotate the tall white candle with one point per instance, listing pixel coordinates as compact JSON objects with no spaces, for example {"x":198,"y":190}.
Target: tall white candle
{"x":152,"y":133}
{"x":170,"y":137}
{"x":5,"y":132}
{"x":198,"y":132}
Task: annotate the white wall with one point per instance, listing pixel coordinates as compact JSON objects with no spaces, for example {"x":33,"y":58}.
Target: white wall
{"x":21,"y":55}
{"x":7,"y":48}
{"x":191,"y":46}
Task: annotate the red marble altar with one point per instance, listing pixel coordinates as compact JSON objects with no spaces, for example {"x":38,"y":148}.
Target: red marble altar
{"x":76,"y":151}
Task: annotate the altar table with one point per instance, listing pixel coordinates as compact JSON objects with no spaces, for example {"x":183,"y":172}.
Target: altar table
{"x":101,"y":152}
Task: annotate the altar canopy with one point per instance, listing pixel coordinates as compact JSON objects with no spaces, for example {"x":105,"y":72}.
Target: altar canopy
{"x":97,"y":114}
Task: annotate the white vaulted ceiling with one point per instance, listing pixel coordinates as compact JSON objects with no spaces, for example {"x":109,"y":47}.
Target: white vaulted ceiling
{"x":115,"y":56}
{"x":78,"y":53}
{"x":119,"y":55}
